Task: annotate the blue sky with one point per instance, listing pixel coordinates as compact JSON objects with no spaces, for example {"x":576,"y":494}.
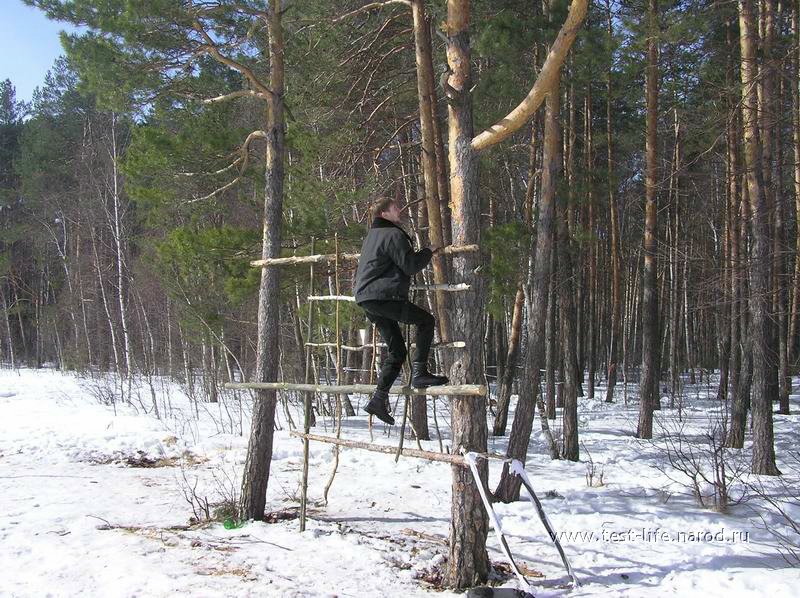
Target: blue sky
{"x":29,"y":45}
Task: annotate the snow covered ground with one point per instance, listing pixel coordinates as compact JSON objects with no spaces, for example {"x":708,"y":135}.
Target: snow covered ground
{"x":79,"y":516}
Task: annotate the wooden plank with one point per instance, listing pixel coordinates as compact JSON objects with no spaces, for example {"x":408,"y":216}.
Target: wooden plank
{"x":329,"y":257}
{"x":472,"y":390}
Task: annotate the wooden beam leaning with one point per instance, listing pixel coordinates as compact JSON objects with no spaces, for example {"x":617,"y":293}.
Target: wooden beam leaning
{"x":329,"y":257}
{"x":470,"y":390}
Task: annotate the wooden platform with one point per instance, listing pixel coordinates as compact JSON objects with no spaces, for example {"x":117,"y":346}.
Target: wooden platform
{"x":472,"y":390}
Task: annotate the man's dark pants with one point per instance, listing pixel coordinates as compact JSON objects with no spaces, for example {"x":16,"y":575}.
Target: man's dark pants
{"x":387,"y":316}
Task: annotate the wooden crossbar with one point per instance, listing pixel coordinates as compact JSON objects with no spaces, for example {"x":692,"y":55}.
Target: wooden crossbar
{"x":329,"y":257}
{"x":451,"y":288}
{"x":448,"y":345}
{"x":392,"y":450}
{"x":383,"y":448}
{"x":349,"y":298}
{"x":472,"y":390}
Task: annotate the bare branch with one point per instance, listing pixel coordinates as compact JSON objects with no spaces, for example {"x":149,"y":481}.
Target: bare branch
{"x":394,"y":135}
{"x":244,"y":159}
{"x":370,"y":6}
{"x":544,"y":82}
{"x":215,"y":173}
{"x":211,"y":48}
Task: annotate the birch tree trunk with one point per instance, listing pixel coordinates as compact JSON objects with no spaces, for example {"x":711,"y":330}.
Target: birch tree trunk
{"x":10,"y":340}
{"x":116,"y":231}
{"x":106,"y":307}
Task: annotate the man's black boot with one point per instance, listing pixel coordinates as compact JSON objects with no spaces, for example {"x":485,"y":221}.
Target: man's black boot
{"x":379,"y":407}
{"x":422,"y":378}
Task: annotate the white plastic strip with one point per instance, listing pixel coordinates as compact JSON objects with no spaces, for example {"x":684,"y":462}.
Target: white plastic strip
{"x":517,"y":468}
{"x":470,"y":458}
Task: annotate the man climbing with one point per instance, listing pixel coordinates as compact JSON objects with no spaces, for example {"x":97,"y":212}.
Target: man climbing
{"x":387,"y":263}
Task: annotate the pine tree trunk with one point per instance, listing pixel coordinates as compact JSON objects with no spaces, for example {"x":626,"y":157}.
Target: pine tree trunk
{"x":509,"y":372}
{"x":740,"y":403}
{"x":550,"y":351}
{"x":468,"y":562}
{"x":794,"y":314}
{"x":760,"y":348}
{"x":515,"y":336}
{"x":780,"y":245}
{"x":734,"y":267}
{"x":722,"y":326}
{"x":425,"y":91}
{"x":509,"y":486}
{"x":259,"y":450}
{"x":616,"y":299}
{"x":591,"y":299}
{"x":566,"y":310}
{"x":649,"y":391}
{"x":766,"y":124}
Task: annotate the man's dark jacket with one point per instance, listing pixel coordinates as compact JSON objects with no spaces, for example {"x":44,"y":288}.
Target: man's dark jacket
{"x":387,"y":263}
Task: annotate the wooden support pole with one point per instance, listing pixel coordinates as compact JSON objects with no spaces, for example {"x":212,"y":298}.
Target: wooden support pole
{"x":471,"y":390}
{"x":307,"y":406}
{"x":338,"y":413}
{"x":322,"y":258}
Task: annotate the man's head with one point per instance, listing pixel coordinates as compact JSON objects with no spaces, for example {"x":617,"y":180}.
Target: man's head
{"x":388,"y":208}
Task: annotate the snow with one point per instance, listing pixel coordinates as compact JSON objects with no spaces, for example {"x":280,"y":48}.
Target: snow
{"x":78,"y":519}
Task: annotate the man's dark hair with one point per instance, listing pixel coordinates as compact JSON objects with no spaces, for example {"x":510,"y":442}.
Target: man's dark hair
{"x":380,"y":205}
